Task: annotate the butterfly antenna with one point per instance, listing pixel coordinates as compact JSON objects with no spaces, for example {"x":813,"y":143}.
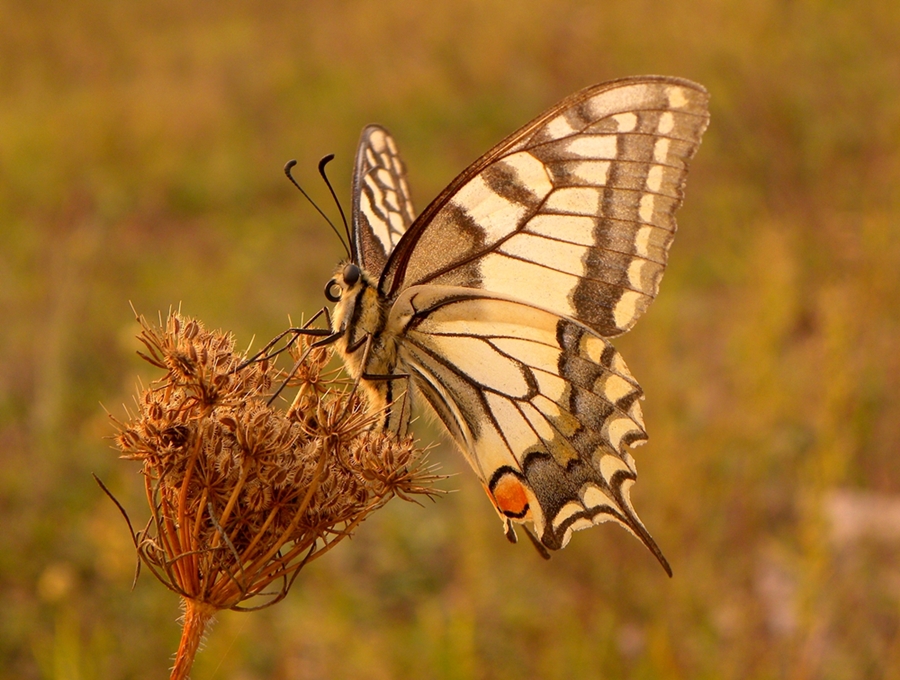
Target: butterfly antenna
{"x":287,"y":171}
{"x":322,"y":163}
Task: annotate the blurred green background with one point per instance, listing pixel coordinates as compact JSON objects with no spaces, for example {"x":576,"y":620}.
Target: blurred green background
{"x":141,"y":146}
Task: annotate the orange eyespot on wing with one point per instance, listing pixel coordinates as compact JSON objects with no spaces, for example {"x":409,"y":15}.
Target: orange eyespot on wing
{"x":510,"y":497}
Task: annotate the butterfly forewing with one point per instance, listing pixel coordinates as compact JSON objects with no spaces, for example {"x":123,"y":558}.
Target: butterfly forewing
{"x":382,"y":207}
{"x":574,"y":212}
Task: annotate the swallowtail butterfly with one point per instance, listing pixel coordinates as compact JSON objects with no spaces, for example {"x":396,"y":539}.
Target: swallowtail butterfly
{"x":498,"y":301}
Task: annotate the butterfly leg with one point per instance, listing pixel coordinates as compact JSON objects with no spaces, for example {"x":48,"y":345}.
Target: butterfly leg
{"x":264,"y":354}
{"x":327,"y":340}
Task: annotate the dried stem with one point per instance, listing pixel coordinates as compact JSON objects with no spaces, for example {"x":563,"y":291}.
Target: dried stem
{"x":197,"y":616}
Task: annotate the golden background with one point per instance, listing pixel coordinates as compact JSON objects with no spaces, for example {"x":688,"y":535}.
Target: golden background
{"x":141,"y":146}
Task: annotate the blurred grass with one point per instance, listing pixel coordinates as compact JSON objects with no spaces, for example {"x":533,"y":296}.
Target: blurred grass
{"x":140,"y":153}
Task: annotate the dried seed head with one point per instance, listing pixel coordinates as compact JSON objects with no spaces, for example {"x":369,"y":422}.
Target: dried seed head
{"x":243,"y":494}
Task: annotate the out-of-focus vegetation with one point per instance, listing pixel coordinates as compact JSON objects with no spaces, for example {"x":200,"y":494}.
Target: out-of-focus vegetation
{"x":141,"y":147}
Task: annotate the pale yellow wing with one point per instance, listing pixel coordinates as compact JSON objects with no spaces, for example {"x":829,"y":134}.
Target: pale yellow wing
{"x":542,"y":406}
{"x":574,"y":212}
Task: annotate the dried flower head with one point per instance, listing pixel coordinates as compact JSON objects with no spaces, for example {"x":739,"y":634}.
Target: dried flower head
{"x":243,"y":494}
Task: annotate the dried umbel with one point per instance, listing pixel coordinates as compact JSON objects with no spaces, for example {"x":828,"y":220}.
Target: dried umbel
{"x":243,"y":494}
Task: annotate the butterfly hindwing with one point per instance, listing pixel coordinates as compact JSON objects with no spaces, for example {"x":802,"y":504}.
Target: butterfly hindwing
{"x":382,"y":206}
{"x":544,"y":407}
{"x":574,"y":212}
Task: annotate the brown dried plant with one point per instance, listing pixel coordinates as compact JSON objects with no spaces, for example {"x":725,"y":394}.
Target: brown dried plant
{"x":243,"y":494}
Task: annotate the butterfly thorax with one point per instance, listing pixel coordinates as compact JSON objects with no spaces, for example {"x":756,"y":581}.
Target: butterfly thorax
{"x":358,"y":315}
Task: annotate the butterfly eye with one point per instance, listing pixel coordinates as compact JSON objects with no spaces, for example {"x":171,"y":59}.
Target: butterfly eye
{"x":351,"y":274}
{"x":333,"y":291}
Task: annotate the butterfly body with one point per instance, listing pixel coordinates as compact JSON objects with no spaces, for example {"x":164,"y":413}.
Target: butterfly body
{"x":496,"y":304}
{"x":368,"y":349}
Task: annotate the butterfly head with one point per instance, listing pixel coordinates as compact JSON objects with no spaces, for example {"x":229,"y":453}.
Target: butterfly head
{"x":345,"y":279}
{"x":356,"y":300}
